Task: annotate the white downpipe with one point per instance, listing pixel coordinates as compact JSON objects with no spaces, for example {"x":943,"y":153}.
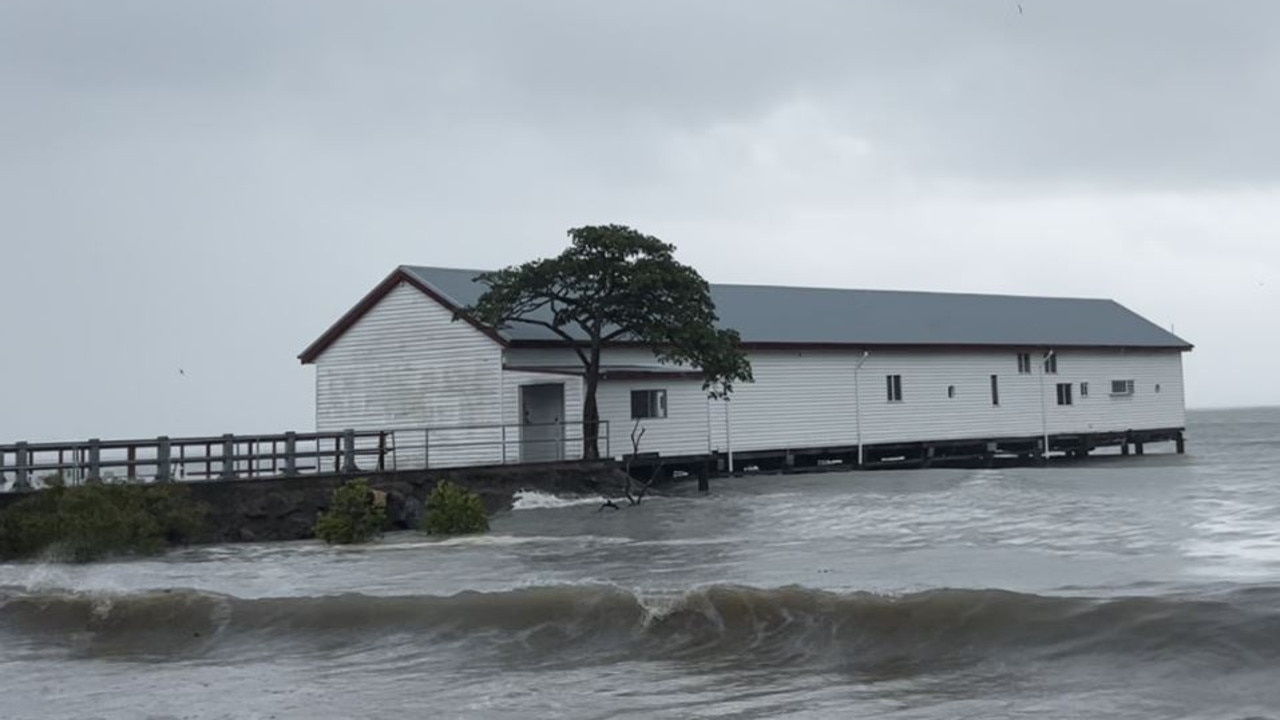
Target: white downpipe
{"x":857,"y":404}
{"x":1044,"y":412}
{"x":728,"y":438}
{"x":710,"y":442}
{"x":502,"y":401}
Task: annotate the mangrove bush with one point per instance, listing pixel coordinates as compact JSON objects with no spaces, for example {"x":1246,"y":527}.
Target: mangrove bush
{"x":454,"y":510}
{"x":87,"y":522}
{"x":354,"y":515}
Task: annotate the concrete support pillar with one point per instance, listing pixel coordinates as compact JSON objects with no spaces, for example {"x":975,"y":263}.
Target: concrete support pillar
{"x":1124,"y":448}
{"x":1181,"y":443}
{"x":1138,"y":448}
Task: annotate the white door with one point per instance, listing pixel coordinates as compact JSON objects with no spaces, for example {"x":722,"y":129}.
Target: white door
{"x":542,"y":422}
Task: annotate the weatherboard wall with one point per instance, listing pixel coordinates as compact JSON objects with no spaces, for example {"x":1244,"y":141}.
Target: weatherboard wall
{"x":512,"y":380}
{"x":814,"y":399}
{"x":406,"y":363}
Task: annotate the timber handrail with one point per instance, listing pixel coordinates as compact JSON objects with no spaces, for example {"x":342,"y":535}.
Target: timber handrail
{"x":289,"y":454}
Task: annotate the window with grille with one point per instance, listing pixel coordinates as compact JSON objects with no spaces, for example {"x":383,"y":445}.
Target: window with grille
{"x":893,"y":384}
{"x":648,"y":404}
{"x":1064,"y":393}
{"x":1121,"y":387}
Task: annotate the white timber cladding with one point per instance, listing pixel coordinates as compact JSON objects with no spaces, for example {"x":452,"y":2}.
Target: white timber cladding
{"x":406,"y":363}
{"x":808,"y":399}
{"x":682,"y":432}
{"x":512,"y":380}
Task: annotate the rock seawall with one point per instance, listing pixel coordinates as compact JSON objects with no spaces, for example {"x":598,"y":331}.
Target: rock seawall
{"x":286,"y":508}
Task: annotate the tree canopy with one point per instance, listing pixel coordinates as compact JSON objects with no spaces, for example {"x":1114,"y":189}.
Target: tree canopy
{"x":616,"y":285}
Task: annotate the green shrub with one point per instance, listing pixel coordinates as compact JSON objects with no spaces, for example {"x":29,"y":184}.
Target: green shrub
{"x":88,"y":522}
{"x":354,"y":515}
{"x":453,"y":510}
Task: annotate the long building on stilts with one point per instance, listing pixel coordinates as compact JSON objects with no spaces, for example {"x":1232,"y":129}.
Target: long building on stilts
{"x":851,"y":377}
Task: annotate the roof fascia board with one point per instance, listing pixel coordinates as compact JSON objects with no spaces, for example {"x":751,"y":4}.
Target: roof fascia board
{"x":372,"y":298}
{"x":973,"y":347}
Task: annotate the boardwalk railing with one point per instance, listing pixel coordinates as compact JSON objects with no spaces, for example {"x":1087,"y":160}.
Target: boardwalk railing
{"x":227,"y":457}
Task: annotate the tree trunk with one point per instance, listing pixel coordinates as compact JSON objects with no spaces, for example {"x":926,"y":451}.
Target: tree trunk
{"x":591,"y":413}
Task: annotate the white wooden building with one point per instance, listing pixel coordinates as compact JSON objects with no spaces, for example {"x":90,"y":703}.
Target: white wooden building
{"x":854,"y":375}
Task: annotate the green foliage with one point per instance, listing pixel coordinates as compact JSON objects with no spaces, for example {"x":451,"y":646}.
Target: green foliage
{"x":612,"y":284}
{"x":354,"y":515}
{"x":453,"y":510}
{"x":88,"y":522}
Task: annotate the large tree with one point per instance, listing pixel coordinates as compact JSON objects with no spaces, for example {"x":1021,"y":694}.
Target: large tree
{"x":615,"y":285}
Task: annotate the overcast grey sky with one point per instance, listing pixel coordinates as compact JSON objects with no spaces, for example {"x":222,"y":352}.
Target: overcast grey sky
{"x":208,"y":185}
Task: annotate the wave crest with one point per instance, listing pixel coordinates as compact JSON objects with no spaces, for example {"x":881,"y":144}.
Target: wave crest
{"x":720,"y":623}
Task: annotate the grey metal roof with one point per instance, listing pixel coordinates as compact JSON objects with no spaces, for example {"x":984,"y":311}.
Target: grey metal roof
{"x":796,"y":315}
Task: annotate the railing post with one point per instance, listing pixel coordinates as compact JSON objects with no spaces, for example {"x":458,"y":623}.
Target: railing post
{"x":22,"y":481}
{"x":2,"y":454}
{"x":164,"y":471}
{"x":291,"y":453}
{"x":228,"y":456}
{"x":95,"y":460}
{"x":426,"y":449}
{"x":382,"y":450}
{"x":349,"y":451}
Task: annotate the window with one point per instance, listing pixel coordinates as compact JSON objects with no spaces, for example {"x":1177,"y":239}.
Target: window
{"x":1084,"y":389}
{"x":951,"y":391}
{"x":995,"y":389}
{"x":1064,"y":393}
{"x":1051,"y":363}
{"x":894,"y":385}
{"x":648,"y":404}
{"x":1024,"y":363}
{"x":1121,"y":387}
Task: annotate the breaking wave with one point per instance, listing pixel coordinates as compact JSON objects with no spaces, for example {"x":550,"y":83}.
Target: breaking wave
{"x":534,"y":500}
{"x":742,"y":626}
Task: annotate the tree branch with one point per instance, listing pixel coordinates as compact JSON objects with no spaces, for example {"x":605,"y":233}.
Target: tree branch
{"x":573,"y":344}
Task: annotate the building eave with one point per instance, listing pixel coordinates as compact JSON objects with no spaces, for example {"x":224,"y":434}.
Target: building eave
{"x":858,"y":346}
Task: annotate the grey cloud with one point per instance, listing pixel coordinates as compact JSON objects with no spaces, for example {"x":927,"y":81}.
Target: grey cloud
{"x":209,"y":184}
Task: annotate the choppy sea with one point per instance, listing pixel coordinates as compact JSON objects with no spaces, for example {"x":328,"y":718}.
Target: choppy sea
{"x":1138,"y":587}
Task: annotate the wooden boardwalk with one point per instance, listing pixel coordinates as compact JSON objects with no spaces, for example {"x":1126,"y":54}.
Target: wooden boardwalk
{"x":230,"y":457}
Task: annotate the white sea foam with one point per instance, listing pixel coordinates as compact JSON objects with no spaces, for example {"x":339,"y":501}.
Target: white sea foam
{"x":534,"y":500}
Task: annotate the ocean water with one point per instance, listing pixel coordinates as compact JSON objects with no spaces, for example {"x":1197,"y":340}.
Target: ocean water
{"x":1119,"y":588}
